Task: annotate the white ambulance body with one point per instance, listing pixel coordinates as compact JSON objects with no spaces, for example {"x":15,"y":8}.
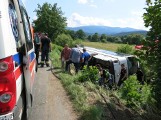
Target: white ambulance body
{"x":112,"y":61}
{"x":17,"y":61}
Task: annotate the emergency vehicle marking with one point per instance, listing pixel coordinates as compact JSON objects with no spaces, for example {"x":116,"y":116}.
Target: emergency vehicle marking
{"x":17,"y":58}
{"x":31,"y":56}
{"x":18,"y":70}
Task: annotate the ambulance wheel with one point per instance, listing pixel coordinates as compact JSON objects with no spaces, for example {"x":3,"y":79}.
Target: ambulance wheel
{"x":24,"y":114}
{"x":36,"y":68}
{"x":19,"y":113}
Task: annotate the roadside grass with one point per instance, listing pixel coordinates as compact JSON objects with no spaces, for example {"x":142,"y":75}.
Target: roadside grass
{"x":84,"y":96}
{"x":91,"y":101}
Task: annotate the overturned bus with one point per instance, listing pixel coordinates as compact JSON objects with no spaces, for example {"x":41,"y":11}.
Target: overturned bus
{"x":112,"y":61}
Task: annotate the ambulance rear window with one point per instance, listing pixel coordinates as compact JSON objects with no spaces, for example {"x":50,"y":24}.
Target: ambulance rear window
{"x":13,"y":21}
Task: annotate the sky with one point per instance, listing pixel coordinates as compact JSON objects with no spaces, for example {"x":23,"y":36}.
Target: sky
{"x":113,"y":13}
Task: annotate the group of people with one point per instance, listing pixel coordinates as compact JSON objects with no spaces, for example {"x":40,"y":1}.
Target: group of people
{"x":42,"y":44}
{"x":75,"y":56}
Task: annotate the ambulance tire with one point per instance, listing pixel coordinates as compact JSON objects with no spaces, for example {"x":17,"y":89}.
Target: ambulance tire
{"x":19,"y":111}
{"x":36,"y":68}
{"x":24,"y":114}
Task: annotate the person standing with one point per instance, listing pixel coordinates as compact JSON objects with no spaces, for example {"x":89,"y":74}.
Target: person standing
{"x":65,"y":54}
{"x":37,"y":46}
{"x":45,"y":48}
{"x":140,"y":75}
{"x":74,"y":58}
{"x":85,"y":58}
{"x":123,"y":75}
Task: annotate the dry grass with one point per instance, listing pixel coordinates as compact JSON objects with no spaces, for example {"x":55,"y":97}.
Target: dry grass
{"x":105,"y":46}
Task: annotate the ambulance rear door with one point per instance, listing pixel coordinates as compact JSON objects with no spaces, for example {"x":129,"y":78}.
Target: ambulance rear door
{"x":29,"y":57}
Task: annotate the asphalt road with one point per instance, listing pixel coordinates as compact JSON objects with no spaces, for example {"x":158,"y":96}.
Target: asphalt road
{"x":50,"y":99}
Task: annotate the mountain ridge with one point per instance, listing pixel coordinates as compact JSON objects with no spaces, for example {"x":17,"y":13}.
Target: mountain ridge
{"x":106,"y":30}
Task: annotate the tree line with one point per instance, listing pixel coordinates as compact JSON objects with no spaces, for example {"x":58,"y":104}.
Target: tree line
{"x":133,"y":39}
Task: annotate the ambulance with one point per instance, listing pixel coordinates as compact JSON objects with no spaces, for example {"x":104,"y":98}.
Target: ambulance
{"x":17,"y":61}
{"x":112,"y":61}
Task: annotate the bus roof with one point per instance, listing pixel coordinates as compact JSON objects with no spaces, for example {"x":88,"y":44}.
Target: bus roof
{"x":106,"y":54}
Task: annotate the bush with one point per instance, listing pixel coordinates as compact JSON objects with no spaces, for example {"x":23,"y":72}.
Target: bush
{"x":135,"y":94}
{"x":63,"y":39}
{"x":77,"y":41}
{"x":89,"y":74}
{"x":127,"y":49}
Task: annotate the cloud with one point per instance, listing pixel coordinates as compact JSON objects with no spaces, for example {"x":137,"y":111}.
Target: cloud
{"x":88,"y":2}
{"x":82,"y":1}
{"x":77,"y":20}
{"x":109,"y":0}
{"x":24,"y":1}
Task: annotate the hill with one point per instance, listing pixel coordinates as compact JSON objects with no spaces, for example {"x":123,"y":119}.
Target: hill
{"x":128,"y":33}
{"x":107,"y":30}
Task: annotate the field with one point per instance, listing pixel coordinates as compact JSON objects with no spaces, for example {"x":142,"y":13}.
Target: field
{"x":105,"y":46}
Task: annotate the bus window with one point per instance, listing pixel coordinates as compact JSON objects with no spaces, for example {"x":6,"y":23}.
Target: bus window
{"x":132,"y":65}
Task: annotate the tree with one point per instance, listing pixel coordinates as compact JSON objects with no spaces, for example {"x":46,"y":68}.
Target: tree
{"x":152,"y":19}
{"x":134,"y":39}
{"x":50,"y":20}
{"x":95,"y":37}
{"x":80,"y":34}
{"x":103,"y":38}
{"x":71,"y":33}
{"x":89,"y":37}
{"x":110,"y":39}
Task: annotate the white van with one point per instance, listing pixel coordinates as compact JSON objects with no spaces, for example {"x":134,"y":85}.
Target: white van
{"x":112,"y":61}
{"x":17,"y":61}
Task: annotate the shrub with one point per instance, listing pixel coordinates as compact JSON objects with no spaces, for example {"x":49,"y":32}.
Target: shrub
{"x":63,"y":39}
{"x":135,"y":94}
{"x":89,"y":74}
{"x":125,"y":49}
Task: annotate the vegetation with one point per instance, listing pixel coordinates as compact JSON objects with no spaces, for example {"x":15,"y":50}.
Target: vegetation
{"x":153,"y":45}
{"x":133,"y":39}
{"x":105,"y":46}
{"x":92,"y":101}
{"x":127,"y":49}
{"x":50,"y":20}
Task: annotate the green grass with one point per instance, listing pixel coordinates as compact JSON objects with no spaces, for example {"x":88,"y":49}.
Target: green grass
{"x":107,"y":46}
{"x":81,"y":94}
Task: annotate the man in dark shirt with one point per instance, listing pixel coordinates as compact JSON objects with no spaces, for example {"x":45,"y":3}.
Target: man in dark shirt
{"x":37,"y":46}
{"x":45,"y":48}
{"x":123,"y":75}
{"x":140,"y":76}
